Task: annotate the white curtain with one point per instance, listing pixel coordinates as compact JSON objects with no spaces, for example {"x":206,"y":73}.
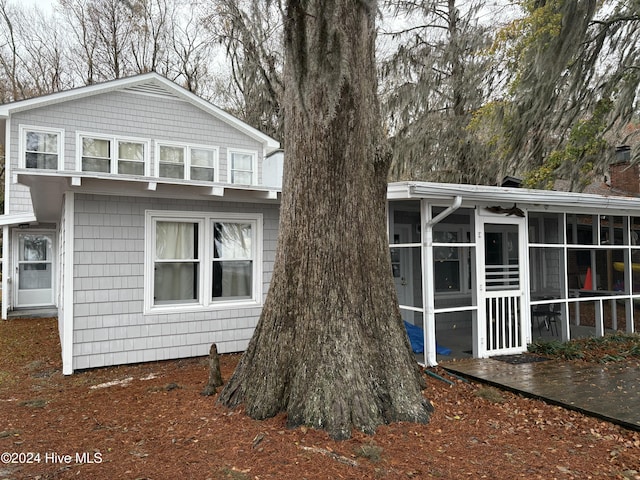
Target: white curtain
{"x":233,"y":272}
{"x":176,"y":268}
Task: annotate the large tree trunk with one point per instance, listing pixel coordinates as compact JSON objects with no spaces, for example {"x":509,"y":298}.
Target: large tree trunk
{"x":330,"y":348}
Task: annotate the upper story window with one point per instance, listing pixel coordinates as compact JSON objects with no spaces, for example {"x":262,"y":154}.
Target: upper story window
{"x":112,"y":155}
{"x":242,"y":167}
{"x":41,"y":148}
{"x":187,"y":162}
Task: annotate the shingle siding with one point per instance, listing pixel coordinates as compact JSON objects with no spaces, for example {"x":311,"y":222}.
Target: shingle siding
{"x":128,"y":114}
{"x":110,"y":326}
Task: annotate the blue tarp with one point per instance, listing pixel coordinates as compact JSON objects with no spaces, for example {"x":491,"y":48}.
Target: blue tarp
{"x":416,"y":337}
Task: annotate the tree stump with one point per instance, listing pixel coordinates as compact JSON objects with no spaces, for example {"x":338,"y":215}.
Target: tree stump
{"x":215,"y":378}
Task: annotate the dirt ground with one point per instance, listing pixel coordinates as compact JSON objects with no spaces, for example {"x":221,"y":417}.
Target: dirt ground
{"x":149,"y":421}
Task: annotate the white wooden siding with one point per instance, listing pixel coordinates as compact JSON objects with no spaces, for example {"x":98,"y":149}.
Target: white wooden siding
{"x":109,"y":325}
{"x":128,"y":114}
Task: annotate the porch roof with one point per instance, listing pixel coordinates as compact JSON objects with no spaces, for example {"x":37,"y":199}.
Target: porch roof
{"x":47,"y":189}
{"x":524,"y":197}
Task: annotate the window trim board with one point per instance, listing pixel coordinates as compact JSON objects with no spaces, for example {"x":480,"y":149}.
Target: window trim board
{"x":23,"y":129}
{"x":206,"y":220}
{"x":113,"y":145}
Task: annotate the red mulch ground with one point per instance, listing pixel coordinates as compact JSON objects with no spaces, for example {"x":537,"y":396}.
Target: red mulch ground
{"x":154,"y":424}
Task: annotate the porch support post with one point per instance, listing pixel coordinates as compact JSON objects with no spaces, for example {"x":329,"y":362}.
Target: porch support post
{"x":428,"y":285}
{"x":6,"y":256}
{"x":428,"y":293}
{"x":479,"y":326}
{"x":66,"y":312}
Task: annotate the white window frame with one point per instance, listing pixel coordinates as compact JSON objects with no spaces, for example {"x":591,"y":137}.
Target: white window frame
{"x":206,"y":221}
{"x":24,"y":129}
{"x":114,"y":158}
{"x":254,"y":164}
{"x":187,"y":149}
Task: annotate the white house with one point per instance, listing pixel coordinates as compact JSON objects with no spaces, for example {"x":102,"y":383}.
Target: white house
{"x":145,"y":219}
{"x":135,"y":211}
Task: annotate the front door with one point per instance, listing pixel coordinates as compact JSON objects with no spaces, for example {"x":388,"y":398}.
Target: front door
{"x":34,"y":278}
{"x":502,"y":316}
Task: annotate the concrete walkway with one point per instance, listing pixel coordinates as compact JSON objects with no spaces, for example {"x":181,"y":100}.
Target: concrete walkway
{"x":609,"y":391}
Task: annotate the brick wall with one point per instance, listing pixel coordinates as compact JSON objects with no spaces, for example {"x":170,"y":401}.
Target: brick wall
{"x":625,"y":177}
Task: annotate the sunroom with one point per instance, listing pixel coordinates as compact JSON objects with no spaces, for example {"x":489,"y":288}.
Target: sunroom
{"x":484,"y":271}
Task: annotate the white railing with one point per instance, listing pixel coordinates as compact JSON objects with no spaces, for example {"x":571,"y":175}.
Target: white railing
{"x":502,"y":277}
{"x":504,"y":322}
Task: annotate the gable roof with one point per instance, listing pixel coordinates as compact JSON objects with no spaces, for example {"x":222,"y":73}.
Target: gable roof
{"x":147,"y":83}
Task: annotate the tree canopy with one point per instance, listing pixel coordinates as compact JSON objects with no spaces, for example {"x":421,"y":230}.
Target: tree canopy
{"x":471,"y":91}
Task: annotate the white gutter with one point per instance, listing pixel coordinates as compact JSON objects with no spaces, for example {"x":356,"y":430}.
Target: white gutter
{"x":457,"y":201}
{"x":428,"y":293}
{"x":484,"y":193}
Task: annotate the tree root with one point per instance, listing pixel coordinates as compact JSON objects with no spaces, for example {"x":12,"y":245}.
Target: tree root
{"x":335,"y":456}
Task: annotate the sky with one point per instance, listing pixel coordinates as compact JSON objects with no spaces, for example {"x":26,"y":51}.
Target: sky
{"x":42,"y":4}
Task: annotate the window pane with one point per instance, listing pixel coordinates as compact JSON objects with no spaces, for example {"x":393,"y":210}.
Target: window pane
{"x":96,"y":155}
{"x":130,"y":168}
{"x":241,"y":161}
{"x":42,"y":142}
{"x":201,"y":157}
{"x":232,"y":279}
{"x":40,"y":160}
{"x":131,"y":151}
{"x":41,"y":150}
{"x":243,"y":178}
{"x":175,"y":282}
{"x":176,"y":240}
{"x":232,"y":240}
{"x":96,"y":165}
{"x":172,"y":154}
{"x":205,"y":174}
{"x":171,"y":171}
{"x":35,"y":276}
{"x":93,"y":147}
{"x":34,"y":248}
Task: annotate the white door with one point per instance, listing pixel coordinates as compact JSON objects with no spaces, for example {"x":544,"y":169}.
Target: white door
{"x":503,"y":320}
{"x":34,"y":278}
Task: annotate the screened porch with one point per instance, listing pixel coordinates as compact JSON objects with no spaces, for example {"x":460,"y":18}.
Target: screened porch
{"x":565,"y":275}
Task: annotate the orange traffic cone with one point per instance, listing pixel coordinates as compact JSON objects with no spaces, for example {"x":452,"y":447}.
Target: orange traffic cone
{"x":588,"y":284}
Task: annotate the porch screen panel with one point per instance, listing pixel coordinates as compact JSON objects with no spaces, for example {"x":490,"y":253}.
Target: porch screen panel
{"x":502,"y":263}
{"x":405,"y":236}
{"x":176,"y":268}
{"x":546,"y":273}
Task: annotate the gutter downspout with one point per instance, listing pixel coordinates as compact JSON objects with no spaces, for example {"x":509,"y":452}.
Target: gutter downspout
{"x":427,"y":288}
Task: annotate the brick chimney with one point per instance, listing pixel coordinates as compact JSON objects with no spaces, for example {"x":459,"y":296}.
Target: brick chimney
{"x":623,"y":175}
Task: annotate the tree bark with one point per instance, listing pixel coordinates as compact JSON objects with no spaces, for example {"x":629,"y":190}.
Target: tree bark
{"x":330,"y":348}
{"x":215,"y":377}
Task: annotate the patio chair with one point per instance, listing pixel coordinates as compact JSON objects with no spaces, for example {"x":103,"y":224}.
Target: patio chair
{"x":547,"y":316}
